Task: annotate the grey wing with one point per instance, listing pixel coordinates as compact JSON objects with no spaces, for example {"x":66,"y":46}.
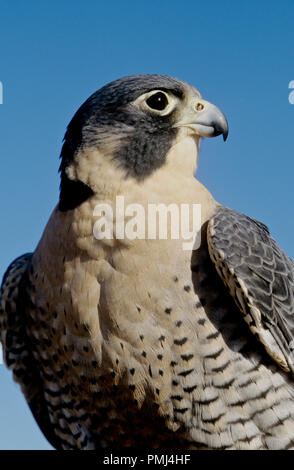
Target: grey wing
{"x":17,"y":349}
{"x":260,"y":278}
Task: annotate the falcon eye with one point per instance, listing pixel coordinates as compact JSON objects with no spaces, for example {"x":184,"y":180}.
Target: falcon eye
{"x":158,"y":101}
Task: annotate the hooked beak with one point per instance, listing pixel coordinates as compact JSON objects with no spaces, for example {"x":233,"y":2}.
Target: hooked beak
{"x":205,"y":119}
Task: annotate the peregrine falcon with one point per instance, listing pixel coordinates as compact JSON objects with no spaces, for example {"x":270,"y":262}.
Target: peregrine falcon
{"x":136,"y":342}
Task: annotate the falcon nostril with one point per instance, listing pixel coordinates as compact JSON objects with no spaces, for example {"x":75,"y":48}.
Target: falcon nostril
{"x":199,"y":107}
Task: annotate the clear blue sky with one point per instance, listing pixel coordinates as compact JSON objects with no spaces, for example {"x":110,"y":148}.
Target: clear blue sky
{"x":240,"y":55}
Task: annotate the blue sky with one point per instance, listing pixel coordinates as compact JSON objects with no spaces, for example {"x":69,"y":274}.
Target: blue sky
{"x":240,"y":55}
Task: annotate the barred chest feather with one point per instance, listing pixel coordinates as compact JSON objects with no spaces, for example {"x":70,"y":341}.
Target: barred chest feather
{"x":132,"y":340}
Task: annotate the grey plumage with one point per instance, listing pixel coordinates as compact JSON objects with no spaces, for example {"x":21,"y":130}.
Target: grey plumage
{"x":260,"y":277}
{"x":139,"y":342}
{"x":142,"y":139}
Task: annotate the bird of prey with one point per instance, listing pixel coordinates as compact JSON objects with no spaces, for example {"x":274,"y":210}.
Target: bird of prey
{"x":137,"y":342}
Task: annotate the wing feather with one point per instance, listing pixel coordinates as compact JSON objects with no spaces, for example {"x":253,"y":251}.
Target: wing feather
{"x":260,"y":278}
{"x":17,"y":349}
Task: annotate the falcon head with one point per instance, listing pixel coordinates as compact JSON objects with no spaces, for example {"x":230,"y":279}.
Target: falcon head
{"x":135,"y":121}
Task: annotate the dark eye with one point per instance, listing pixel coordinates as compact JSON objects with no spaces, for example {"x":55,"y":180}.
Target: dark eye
{"x":157,"y":101}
